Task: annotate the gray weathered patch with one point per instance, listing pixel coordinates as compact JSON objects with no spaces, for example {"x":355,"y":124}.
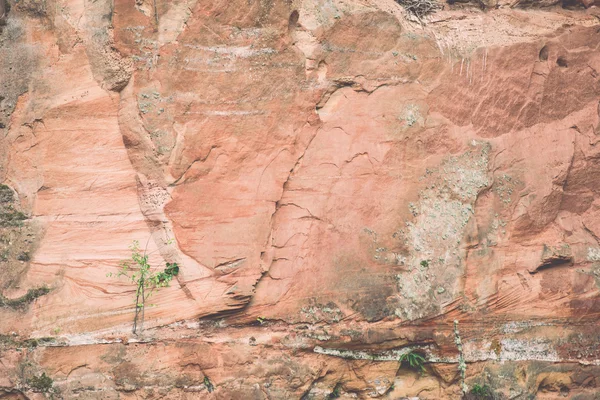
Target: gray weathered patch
{"x":435,"y":258}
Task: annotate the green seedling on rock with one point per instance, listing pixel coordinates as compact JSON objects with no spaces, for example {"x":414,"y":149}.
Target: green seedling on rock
{"x":480,"y":392}
{"x":336,"y":392}
{"x":209,"y":386}
{"x":146,"y":278}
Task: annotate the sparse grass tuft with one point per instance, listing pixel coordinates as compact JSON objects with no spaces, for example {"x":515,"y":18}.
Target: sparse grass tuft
{"x":419,"y":8}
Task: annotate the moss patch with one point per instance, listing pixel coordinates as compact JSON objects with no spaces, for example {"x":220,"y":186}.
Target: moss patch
{"x":42,"y":383}
{"x":18,"y":239}
{"x":13,"y":342}
{"x":12,"y":218}
{"x":6,"y":194}
{"x":9,"y":215}
{"x":25,"y":300}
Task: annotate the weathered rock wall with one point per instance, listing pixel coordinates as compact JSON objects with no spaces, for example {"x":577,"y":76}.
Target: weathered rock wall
{"x":342,"y":183}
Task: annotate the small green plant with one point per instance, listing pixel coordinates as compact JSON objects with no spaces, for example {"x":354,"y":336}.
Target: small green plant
{"x":42,"y":383}
{"x":209,"y":386}
{"x":413,"y":360}
{"x":479,"y":389}
{"x":481,"y":392}
{"x":336,"y":392}
{"x":261,"y":320}
{"x":146,"y":279}
{"x":425,"y":263}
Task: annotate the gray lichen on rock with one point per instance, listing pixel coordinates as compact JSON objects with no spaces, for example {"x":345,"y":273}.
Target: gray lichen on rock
{"x":18,"y":61}
{"x":445,"y":207}
{"x":110,"y":69}
{"x":315,"y":312}
{"x":388,"y":355}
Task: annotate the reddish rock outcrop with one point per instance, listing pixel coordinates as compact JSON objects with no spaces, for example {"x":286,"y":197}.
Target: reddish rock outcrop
{"x":344,"y":185}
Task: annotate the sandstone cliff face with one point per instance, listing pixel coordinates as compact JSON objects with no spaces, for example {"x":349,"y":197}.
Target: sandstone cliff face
{"x":342,"y":183}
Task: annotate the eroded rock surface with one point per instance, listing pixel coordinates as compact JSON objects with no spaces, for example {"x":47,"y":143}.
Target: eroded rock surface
{"x":341,"y":181}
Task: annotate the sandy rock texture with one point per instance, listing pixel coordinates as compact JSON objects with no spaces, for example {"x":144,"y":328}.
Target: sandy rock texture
{"x":341,"y":183}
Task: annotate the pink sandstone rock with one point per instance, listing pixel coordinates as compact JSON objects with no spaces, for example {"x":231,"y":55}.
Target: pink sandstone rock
{"x":340,"y":182}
